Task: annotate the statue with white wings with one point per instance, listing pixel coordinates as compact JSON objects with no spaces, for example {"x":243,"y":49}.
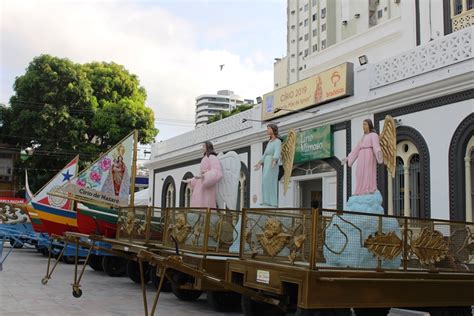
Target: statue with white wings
{"x":228,"y":186}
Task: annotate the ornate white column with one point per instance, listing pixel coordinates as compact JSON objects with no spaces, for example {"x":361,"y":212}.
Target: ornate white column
{"x":406,"y":192}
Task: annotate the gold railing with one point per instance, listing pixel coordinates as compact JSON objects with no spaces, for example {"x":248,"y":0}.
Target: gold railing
{"x":462,"y":20}
{"x":199,"y":230}
{"x":330,"y":239}
{"x":140,"y":224}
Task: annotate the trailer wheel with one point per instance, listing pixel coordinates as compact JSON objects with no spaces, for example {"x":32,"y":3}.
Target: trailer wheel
{"x":224,"y":301}
{"x":185,"y":295}
{"x":95,"y":262}
{"x":45,"y":251}
{"x":371,"y":311}
{"x":156,"y":281}
{"x":69,"y":259}
{"x":133,"y":271}
{"x":324,"y":312}
{"x":16,"y":243}
{"x":76,"y":292}
{"x":114,"y":266}
{"x":451,"y":311}
{"x":254,"y":308}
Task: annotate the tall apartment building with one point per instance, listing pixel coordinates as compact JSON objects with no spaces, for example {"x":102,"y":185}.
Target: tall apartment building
{"x":315,"y":26}
{"x":208,"y":105}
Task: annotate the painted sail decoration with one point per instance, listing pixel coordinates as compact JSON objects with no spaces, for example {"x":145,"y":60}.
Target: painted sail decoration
{"x":107,"y":180}
{"x":56,"y":212}
{"x":34,"y":218}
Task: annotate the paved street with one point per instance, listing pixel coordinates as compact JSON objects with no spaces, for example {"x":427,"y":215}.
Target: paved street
{"x":21,"y":292}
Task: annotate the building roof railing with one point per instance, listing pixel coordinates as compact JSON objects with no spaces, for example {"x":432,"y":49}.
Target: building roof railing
{"x":445,"y":51}
{"x":229,"y":125}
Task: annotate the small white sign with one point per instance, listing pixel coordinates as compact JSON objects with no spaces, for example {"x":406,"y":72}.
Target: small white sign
{"x":263,"y":276}
{"x":125,"y":248}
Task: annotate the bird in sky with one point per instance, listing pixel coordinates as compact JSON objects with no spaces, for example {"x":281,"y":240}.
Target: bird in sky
{"x":221,"y":66}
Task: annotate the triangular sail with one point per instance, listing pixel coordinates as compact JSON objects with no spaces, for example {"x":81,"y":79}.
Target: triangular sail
{"x":28,"y":194}
{"x":65,"y":175}
{"x":108,"y":180}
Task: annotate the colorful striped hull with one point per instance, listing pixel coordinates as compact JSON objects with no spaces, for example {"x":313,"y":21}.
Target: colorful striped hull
{"x":92,"y":219}
{"x":56,"y":221}
{"x":35,"y":219}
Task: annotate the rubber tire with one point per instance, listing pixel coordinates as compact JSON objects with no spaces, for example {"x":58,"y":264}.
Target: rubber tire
{"x":95,"y":262}
{"x":254,"y":308}
{"x":185,"y":295}
{"x":451,"y":311}
{"x":18,"y":244}
{"x":155,"y":280}
{"x":45,"y":251}
{"x":371,"y":311}
{"x":224,"y":301}
{"x":133,"y":271}
{"x":114,"y":266}
{"x":69,"y":259}
{"x":324,"y":312}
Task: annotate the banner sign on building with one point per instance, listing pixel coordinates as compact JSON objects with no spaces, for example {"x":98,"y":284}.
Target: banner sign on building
{"x":329,"y":85}
{"x":313,"y":144}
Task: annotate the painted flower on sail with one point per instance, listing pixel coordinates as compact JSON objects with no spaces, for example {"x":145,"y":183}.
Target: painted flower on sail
{"x":105,"y":164}
{"x":95,"y":176}
{"x":81,"y":182}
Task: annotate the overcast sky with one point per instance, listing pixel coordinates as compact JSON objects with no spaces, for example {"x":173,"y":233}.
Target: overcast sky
{"x":175,"y":46}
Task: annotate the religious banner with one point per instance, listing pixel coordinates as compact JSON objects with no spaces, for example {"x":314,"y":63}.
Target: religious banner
{"x":329,"y":85}
{"x":108,"y":179}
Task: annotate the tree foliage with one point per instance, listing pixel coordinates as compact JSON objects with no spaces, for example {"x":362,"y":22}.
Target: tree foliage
{"x":224,"y":114}
{"x":61,"y":108}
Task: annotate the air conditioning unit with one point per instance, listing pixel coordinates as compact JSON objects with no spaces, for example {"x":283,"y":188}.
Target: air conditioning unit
{"x":344,"y":22}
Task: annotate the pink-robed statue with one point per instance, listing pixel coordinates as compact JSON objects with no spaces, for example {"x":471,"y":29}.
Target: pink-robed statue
{"x":368,"y":154}
{"x":204,"y":185}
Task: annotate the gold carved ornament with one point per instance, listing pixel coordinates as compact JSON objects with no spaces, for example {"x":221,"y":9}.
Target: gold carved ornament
{"x":273,"y":239}
{"x":384,"y":246}
{"x":180,"y":229}
{"x":288,"y":154}
{"x":430,"y":246}
{"x":388,"y":144}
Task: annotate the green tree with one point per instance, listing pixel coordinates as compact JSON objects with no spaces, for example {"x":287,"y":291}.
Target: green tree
{"x":224,"y":114}
{"x":61,"y":108}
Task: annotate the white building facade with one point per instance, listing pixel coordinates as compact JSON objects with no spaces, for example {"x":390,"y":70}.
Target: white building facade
{"x":427,"y":88}
{"x":208,"y":105}
{"x":322,"y":34}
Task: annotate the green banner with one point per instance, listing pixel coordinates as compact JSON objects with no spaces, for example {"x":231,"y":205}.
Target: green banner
{"x":313,"y":144}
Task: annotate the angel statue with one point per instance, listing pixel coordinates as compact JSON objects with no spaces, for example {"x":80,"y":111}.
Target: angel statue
{"x":204,"y":185}
{"x":369,"y":152}
{"x":269,"y":161}
{"x":345,"y":234}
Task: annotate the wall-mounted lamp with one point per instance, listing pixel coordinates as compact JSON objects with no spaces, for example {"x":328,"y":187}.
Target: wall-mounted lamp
{"x":363,"y":60}
{"x":357,"y":15}
{"x":398,"y":122}
{"x":295,"y":111}
{"x":259,"y":99}
{"x":250,"y":120}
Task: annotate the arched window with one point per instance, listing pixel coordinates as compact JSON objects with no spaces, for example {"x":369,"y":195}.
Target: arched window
{"x":410,"y":184}
{"x":242,"y":191}
{"x":243,"y":198}
{"x":461,"y":174}
{"x":185,"y":191}
{"x":168,"y":195}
